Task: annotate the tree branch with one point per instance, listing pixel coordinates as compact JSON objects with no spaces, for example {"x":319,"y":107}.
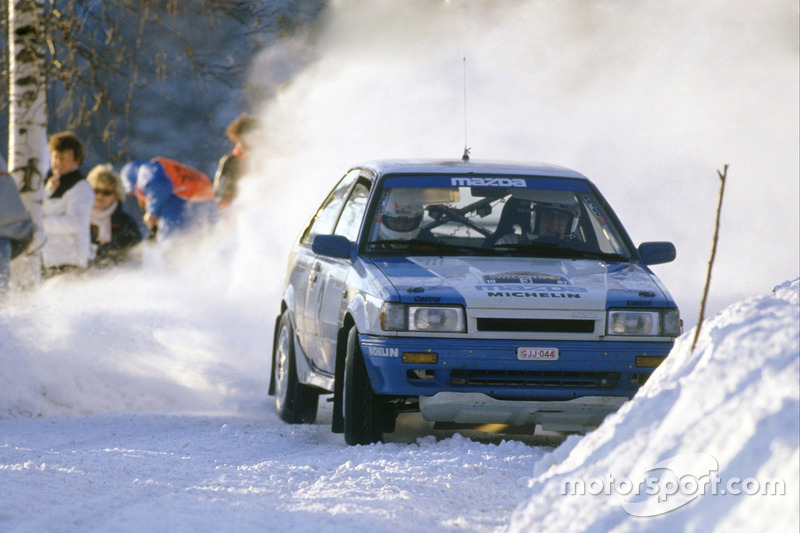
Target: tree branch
{"x":722,"y":175}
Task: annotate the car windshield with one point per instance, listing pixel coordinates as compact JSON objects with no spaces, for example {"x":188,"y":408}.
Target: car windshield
{"x":519,"y":216}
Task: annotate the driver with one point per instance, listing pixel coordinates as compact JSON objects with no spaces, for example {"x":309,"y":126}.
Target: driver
{"x":553,"y":222}
{"x":400,"y":222}
{"x":550,"y":221}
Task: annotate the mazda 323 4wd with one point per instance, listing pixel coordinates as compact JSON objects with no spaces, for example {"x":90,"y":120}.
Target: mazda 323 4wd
{"x":471,"y":292}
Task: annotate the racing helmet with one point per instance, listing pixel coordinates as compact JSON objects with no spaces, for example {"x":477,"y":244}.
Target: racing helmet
{"x":400,"y":221}
{"x":566,"y":211}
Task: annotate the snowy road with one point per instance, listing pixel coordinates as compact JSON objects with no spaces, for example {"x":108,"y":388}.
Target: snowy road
{"x":176,"y":470}
{"x":223,"y":473}
{"x":148,"y":411}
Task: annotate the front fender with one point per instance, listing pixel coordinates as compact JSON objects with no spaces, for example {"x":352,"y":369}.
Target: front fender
{"x":288,"y":300}
{"x":357,"y":308}
{"x":366,"y":312}
{"x":271,"y":390}
{"x":286,"y":305}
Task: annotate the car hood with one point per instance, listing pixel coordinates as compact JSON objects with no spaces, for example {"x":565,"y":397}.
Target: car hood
{"x":522,"y":283}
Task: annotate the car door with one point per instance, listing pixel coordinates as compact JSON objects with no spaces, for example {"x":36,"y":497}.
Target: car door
{"x":313,"y":276}
{"x":332,"y":273}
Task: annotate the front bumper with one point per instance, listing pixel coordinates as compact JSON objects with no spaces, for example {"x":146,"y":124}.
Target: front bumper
{"x":491,"y":367}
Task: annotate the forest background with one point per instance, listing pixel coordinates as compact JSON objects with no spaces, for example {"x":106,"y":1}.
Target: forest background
{"x":136,"y":79}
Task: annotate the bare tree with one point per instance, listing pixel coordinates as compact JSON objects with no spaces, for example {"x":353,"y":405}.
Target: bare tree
{"x":27,"y":114}
{"x":103,"y":68}
{"x":106,"y":62}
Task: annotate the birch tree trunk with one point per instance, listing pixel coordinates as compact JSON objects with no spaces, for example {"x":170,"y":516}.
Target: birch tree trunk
{"x":27,"y":136}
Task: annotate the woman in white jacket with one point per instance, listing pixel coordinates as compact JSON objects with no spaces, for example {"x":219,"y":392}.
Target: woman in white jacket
{"x":68,"y":208}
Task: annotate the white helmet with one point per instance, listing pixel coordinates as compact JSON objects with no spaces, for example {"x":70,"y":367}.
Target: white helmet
{"x":571,"y":210}
{"x":400,"y":221}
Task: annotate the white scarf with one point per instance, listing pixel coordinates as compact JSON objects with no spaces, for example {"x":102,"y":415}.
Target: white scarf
{"x":102,"y":219}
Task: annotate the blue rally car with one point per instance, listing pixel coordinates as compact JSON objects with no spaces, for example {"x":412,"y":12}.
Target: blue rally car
{"x":471,"y":292}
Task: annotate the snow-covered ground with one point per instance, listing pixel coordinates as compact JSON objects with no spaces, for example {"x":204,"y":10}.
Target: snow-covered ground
{"x":130,"y":404}
{"x":200,"y":472}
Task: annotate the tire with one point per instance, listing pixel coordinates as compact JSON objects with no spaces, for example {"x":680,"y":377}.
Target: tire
{"x":362,"y":408}
{"x":296,"y":403}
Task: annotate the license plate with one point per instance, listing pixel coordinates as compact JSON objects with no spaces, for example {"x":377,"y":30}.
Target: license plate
{"x":526,"y":353}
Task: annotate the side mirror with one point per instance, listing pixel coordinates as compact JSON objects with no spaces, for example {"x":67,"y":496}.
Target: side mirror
{"x":331,"y":246}
{"x":657,"y":253}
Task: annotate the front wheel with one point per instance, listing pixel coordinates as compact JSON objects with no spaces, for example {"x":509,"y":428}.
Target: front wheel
{"x":361,"y":406}
{"x":296,"y":402}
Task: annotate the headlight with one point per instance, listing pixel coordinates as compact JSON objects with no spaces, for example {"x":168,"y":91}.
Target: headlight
{"x":401,"y":317}
{"x":664,"y":322}
{"x":435,"y":319}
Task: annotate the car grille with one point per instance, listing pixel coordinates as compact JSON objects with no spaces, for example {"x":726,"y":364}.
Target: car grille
{"x":534,"y":379}
{"x":535,"y":325}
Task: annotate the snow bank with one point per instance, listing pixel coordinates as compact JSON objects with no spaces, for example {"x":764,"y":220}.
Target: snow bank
{"x":721,"y":419}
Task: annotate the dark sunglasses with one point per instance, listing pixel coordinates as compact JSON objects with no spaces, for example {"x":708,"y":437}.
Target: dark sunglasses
{"x":103,"y":192}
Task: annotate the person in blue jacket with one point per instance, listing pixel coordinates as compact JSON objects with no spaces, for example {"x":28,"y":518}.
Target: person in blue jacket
{"x":165,"y":213}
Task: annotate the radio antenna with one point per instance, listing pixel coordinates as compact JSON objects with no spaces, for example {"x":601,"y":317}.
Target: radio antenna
{"x":465,"y":157}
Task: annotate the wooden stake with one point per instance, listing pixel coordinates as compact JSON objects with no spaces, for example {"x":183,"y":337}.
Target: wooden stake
{"x":722,"y":175}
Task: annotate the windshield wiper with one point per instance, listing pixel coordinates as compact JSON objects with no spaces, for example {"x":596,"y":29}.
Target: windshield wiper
{"x":555,"y":249}
{"x":604,"y":256}
{"x":479,"y":250}
{"x":421,"y":244}
{"x":403,"y":244}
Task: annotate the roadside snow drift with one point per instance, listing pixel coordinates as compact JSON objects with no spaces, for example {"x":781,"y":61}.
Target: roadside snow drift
{"x":709,"y":443}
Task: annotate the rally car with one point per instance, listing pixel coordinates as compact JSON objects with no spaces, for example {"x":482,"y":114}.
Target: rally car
{"x":474,"y":293}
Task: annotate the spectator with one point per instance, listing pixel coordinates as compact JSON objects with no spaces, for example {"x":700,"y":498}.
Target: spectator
{"x":231,"y":165}
{"x":114,"y":232}
{"x":67,"y":207}
{"x":175,"y":198}
{"x":16,"y":226}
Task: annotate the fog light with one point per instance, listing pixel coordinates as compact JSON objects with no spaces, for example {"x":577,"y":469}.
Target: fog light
{"x":420,"y":358}
{"x":648,"y":361}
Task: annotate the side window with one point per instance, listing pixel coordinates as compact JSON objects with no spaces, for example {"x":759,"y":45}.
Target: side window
{"x":353,"y":211}
{"x":326,"y":216}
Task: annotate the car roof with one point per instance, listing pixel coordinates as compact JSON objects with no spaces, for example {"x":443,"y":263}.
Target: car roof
{"x":455,"y":166}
